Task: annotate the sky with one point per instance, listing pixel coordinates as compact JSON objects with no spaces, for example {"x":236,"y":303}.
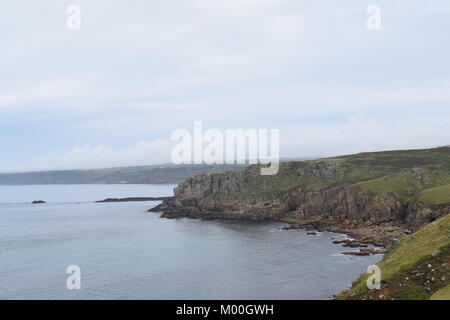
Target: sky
{"x":111,"y":93}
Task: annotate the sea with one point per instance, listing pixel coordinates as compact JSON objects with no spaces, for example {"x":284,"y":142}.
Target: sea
{"x":74,"y":248}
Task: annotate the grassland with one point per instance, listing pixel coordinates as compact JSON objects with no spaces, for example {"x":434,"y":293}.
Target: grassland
{"x":436,"y":196}
{"x":416,"y":268}
{"x":442,"y":294}
{"x":406,"y":175}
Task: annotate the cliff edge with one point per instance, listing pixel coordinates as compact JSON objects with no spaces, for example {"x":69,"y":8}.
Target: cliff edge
{"x":375,"y":197}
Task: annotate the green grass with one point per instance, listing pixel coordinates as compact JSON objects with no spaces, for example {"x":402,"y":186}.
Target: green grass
{"x":407,"y":184}
{"x":436,"y":196}
{"x":443,"y":294}
{"x":400,"y":185}
{"x":410,"y":251}
{"x":402,"y":174}
{"x":437,"y":157}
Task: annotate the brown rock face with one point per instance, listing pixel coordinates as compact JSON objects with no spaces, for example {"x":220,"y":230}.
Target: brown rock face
{"x":217,"y":196}
{"x":216,"y":209}
{"x":340,"y":207}
{"x":341,"y":203}
{"x":344,"y":203}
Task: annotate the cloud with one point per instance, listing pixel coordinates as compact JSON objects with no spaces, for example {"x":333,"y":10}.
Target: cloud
{"x":101,"y":156}
{"x":139,"y":69}
{"x":360,"y":133}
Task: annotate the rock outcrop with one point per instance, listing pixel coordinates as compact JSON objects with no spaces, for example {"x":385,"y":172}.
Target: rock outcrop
{"x":348,"y":203}
{"x":134,"y":199}
{"x":374,"y":200}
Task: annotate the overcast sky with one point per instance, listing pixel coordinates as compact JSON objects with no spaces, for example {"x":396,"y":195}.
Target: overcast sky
{"x":111,"y":93}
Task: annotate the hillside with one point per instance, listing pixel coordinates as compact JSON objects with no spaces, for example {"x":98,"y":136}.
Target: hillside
{"x":137,"y":175}
{"x":373,"y":196}
{"x":418,"y":267}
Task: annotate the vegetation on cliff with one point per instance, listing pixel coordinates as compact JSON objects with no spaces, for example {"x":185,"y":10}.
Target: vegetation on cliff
{"x":435,"y":196}
{"x":402,"y":174}
{"x":374,"y":196}
{"x":418,"y":267}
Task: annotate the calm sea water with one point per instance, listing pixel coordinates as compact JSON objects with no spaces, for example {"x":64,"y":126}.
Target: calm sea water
{"x":125,"y":252}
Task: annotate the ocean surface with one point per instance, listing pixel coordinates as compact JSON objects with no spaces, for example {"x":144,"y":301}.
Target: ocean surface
{"x":125,"y":252}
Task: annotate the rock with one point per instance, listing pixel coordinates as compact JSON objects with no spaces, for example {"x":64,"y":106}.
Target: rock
{"x":354,"y":244}
{"x":391,"y":245}
{"x":311,"y":233}
{"x":38,"y":201}
{"x":341,"y":241}
{"x":134,"y":199}
{"x":436,"y":253}
{"x":357,"y":253}
{"x":364,"y":252}
{"x":337,"y":207}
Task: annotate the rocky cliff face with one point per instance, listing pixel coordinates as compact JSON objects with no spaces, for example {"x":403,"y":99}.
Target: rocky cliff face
{"x":348,"y":203}
{"x":321,"y":194}
{"x":218,"y":196}
{"x":340,"y":208}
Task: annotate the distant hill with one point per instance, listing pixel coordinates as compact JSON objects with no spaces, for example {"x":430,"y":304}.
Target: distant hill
{"x":127,"y":175}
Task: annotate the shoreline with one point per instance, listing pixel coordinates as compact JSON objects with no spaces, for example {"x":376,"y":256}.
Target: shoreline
{"x":352,"y":241}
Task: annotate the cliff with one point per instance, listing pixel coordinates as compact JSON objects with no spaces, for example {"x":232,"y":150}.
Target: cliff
{"x":375,"y":197}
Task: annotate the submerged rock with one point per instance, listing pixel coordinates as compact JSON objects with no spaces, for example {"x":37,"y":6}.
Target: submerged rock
{"x":365,"y":252}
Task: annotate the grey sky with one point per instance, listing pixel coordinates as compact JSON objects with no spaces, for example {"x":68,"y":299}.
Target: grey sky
{"x":111,"y":93}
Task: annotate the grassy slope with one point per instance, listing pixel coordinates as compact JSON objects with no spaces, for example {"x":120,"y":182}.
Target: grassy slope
{"x":417,"y":171}
{"x":443,"y":294}
{"x":436,"y":196}
{"x":422,"y":175}
{"x":411,"y":252}
{"x":403,"y":174}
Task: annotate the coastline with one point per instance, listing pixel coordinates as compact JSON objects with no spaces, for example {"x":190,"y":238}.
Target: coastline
{"x":381,"y":235}
{"x":354,"y":239}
